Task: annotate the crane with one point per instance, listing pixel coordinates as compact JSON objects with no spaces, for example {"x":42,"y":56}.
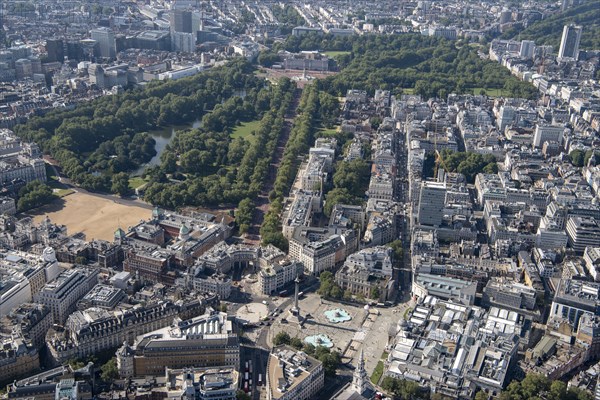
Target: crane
{"x":438,"y":158}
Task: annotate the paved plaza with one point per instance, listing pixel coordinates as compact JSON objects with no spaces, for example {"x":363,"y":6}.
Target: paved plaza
{"x":252,"y":312}
{"x":367,"y":330}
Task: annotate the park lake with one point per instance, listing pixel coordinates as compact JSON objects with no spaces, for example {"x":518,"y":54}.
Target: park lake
{"x":163,"y":137}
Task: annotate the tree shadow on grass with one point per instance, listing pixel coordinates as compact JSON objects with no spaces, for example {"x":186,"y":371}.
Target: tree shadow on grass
{"x":54,"y":206}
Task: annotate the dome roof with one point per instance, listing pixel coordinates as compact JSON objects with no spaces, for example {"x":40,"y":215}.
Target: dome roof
{"x":184,"y":230}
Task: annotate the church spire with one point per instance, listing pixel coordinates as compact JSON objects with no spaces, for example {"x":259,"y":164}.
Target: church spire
{"x":361,"y":360}
{"x":360,"y":378}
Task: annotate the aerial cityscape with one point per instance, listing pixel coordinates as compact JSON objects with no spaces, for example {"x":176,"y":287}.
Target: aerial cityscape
{"x":294,"y":200}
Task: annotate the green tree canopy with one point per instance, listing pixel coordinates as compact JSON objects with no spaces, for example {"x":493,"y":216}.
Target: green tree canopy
{"x":241,"y":395}
{"x":400,"y":387}
{"x":544,"y":32}
{"x":120,"y":184}
{"x":398,"y":249}
{"x":328,"y":287}
{"x":469,"y":164}
{"x":577,"y":158}
{"x":296,"y":342}
{"x":352,"y":175}
{"x":340,"y":196}
{"x":535,"y":386}
{"x":432,"y":67}
{"x":481,"y":395}
{"x":34,"y":194}
{"x":109,"y":370}
{"x":330,"y":359}
{"x":282,"y":338}
{"x":243,"y":214}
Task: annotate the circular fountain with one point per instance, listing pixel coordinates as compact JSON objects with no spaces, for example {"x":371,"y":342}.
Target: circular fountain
{"x":319,"y":340}
{"x":337,"y":315}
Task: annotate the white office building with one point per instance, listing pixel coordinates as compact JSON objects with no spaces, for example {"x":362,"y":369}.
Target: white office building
{"x":547,"y":133}
{"x":527,"y":48}
{"x":62,"y":294}
{"x":569,"y":44}
{"x":583,"y":232}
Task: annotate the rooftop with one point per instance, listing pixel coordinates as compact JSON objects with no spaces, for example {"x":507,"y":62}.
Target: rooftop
{"x":287,"y":368}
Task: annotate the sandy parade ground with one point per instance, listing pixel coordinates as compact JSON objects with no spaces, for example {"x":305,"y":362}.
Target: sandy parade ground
{"x":95,"y":216}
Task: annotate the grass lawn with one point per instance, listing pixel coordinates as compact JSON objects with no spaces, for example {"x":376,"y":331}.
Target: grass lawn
{"x":333,"y":54}
{"x":245,"y":130}
{"x":408,"y":90}
{"x":488,"y":92}
{"x":63,"y":192}
{"x":477,"y":46}
{"x":326,"y":132}
{"x":136,"y":181}
{"x":377,"y":373}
